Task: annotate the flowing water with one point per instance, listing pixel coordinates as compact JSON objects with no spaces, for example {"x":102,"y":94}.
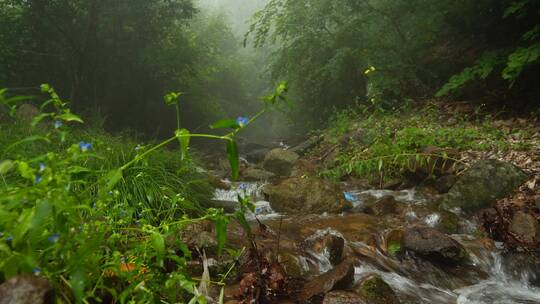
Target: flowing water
{"x":491,"y":276}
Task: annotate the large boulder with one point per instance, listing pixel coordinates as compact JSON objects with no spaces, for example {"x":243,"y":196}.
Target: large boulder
{"x":483,"y":184}
{"x":433,"y":245}
{"x":374,"y":289}
{"x":26,"y":289}
{"x":280,"y":162}
{"x":307,"y":195}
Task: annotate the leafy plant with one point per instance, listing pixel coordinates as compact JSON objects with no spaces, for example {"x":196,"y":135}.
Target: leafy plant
{"x":82,"y":227}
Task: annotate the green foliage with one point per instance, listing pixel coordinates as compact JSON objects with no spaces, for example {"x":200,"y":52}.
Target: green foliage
{"x":510,"y":60}
{"x":392,"y":143}
{"x":100,"y":218}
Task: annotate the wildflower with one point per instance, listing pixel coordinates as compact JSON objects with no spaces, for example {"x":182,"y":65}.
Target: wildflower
{"x":57,"y":124}
{"x":242,"y":121}
{"x":42,"y":167}
{"x":36,"y":271}
{"x":85,"y":146}
{"x":54,"y":238}
{"x":242,"y":186}
{"x":38,"y":179}
{"x":9,"y":238}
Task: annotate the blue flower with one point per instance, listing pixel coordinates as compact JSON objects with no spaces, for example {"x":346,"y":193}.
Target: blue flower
{"x":54,"y":238}
{"x":85,"y":146}
{"x":242,"y":121}
{"x":42,"y":167}
{"x":242,"y":186}
{"x":350,"y":197}
{"x":9,"y":238}
{"x":36,"y":271}
{"x":38,"y":180}
{"x":57,"y":124}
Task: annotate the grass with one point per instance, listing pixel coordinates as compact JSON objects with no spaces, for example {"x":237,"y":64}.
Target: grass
{"x":388,"y":143}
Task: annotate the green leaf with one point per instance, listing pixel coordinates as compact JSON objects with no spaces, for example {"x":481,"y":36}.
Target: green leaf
{"x":37,"y":119}
{"x":78,"y":283}
{"x":183,"y":138}
{"x":70,"y":117}
{"x":221,"y":230}
{"x":225,"y":123}
{"x":172,"y":98}
{"x":6,"y":166}
{"x":112,"y":178}
{"x":232,"y":153}
{"x":158,"y":243}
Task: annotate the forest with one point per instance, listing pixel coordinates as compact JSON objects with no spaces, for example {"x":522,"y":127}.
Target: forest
{"x":270,"y":151}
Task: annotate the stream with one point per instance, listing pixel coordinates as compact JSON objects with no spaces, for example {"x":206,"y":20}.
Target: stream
{"x":490,"y":275}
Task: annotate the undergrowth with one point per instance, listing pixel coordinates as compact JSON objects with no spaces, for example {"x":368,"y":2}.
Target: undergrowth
{"x":371,"y":141}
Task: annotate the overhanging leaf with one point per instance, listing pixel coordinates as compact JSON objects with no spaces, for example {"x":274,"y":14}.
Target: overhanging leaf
{"x":232,"y":153}
{"x":225,"y":123}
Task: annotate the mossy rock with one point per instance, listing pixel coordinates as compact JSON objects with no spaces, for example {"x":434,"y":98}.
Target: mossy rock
{"x":374,"y":289}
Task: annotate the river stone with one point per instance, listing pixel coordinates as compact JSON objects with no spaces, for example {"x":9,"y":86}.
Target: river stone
{"x":280,"y":162}
{"x":343,"y":297}
{"x":433,"y":245}
{"x":383,"y":206}
{"x":341,"y":277}
{"x":256,"y":156}
{"x":26,"y":112}
{"x":292,"y":265}
{"x":254,"y":174}
{"x":525,"y":226}
{"x":327,"y":243}
{"x":26,"y":289}
{"x":374,"y":289}
{"x":483,"y":184}
{"x":307,"y":195}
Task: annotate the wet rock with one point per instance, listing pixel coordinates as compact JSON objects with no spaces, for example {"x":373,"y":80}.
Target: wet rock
{"x":444,"y":183}
{"x":307,"y":195}
{"x":526,"y":227}
{"x":292,"y":265}
{"x":383,"y":206}
{"x":307,"y":145}
{"x":255,"y":174}
{"x":216,"y":182}
{"x":228,"y":206}
{"x":374,"y":289}
{"x":434,"y":246}
{"x":393,"y":240}
{"x":448,"y":222}
{"x":483,"y":184}
{"x":280,"y":162}
{"x":394,"y":184}
{"x":327,"y":243}
{"x":341,"y":277}
{"x":256,"y":156}
{"x":343,"y":297}
{"x":26,"y":289}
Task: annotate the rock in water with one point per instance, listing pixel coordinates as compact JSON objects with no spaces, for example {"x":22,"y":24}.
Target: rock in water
{"x":343,"y":297}
{"x":280,"y":162}
{"x":254,"y":174}
{"x":327,"y":243}
{"x":433,"y":245}
{"x":307,"y":195}
{"x":26,"y":289}
{"x":341,"y":277}
{"x":526,"y":227}
{"x":374,"y":289}
{"x":483,"y":184}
